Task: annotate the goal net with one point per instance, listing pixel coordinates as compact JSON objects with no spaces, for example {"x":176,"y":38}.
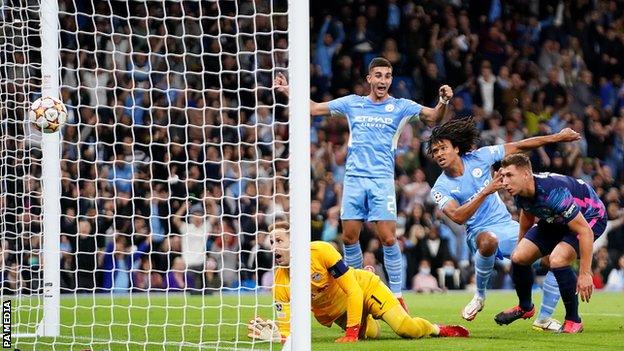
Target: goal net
{"x":174,"y":161}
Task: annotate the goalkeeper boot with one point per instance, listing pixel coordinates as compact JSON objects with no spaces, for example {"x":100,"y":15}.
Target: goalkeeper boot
{"x":547,"y":324}
{"x":453,"y":331}
{"x":571,"y":327}
{"x":510,"y":315}
{"x":473,"y":307}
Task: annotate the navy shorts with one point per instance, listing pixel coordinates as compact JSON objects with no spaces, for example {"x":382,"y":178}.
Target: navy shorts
{"x":546,"y":235}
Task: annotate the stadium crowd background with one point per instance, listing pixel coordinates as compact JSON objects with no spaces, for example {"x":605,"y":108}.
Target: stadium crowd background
{"x":170,"y":169}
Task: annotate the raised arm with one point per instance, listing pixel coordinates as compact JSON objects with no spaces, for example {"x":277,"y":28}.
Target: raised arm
{"x":177,"y":217}
{"x":432,"y":116}
{"x":564,"y":135}
{"x":280,"y":84}
{"x":461,"y":214}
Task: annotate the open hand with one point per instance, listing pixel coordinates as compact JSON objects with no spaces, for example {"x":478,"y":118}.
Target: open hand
{"x":584,"y":286}
{"x":259,"y":328}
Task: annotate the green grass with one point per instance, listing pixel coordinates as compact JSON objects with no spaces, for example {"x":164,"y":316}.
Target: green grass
{"x":86,"y":325}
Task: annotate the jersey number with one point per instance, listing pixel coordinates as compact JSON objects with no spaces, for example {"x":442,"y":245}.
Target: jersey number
{"x":391,"y":204}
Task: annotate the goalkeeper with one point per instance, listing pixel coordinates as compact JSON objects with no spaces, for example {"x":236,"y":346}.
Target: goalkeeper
{"x":352,"y":298}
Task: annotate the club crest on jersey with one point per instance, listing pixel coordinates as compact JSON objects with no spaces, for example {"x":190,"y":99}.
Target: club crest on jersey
{"x":316,"y":276}
{"x":477,"y":172}
{"x":389,"y":107}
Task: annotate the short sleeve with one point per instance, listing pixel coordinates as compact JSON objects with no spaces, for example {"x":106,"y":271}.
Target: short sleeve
{"x":490,"y":154}
{"x":340,"y":106}
{"x":411,"y":109}
{"x":440,"y":196}
{"x":561,"y":201}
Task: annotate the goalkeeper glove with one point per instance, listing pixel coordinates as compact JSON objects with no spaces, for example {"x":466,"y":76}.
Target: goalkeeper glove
{"x":267,"y":330}
{"x":351,"y":334}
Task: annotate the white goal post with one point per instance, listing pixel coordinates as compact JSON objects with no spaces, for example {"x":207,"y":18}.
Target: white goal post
{"x":142,"y":224}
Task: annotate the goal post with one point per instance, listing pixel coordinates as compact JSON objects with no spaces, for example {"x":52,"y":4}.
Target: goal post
{"x":142,"y":224}
{"x":50,"y":176}
{"x":299,"y":69}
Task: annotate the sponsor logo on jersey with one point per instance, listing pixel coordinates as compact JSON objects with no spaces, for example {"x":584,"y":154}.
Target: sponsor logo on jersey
{"x":372,"y":119}
{"x":569,"y":211}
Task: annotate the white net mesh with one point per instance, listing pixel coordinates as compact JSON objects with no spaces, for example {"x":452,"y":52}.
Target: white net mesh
{"x":174,"y":162}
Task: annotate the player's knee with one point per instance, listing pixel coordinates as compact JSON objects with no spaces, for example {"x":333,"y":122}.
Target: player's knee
{"x":350,"y":237}
{"x":487,"y":244}
{"x":518,"y":257}
{"x":388,"y":240}
{"x":557,"y":261}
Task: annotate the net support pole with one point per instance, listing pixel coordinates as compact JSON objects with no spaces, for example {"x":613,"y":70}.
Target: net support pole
{"x":299,"y":118}
{"x":50,"y":175}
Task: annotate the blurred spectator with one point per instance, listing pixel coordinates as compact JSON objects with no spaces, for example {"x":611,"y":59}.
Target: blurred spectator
{"x":449,"y":276}
{"x":212,"y":281}
{"x":424,"y":281}
{"x":177,"y":278}
{"x":86,"y":246}
{"x":194,"y":234}
{"x":615,"y":281}
{"x":369,"y":262}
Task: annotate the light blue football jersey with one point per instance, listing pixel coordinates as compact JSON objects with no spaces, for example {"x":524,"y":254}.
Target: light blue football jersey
{"x":477,"y":175}
{"x":374,"y":132}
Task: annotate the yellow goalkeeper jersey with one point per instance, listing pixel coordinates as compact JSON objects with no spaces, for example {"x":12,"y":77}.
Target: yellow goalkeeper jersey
{"x":336,"y":288}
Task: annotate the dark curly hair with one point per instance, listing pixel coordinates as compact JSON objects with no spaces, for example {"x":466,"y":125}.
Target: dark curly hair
{"x":462,"y":133}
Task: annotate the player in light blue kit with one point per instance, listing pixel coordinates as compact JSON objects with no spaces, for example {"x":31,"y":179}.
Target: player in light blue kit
{"x":467,"y":194}
{"x":375,"y":123}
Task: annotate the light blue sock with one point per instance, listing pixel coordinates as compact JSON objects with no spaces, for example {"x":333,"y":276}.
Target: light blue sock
{"x":394,"y":266}
{"x":353,"y":255}
{"x":551,"y":296}
{"x":483,"y":270}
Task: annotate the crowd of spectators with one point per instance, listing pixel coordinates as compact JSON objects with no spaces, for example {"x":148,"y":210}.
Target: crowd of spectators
{"x":175,"y":156}
{"x":520,"y":68}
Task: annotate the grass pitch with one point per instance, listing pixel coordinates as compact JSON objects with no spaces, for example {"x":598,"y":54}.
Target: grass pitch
{"x":184,"y":322}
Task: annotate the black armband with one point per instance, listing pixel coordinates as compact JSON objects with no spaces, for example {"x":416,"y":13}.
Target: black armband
{"x":338,"y":269}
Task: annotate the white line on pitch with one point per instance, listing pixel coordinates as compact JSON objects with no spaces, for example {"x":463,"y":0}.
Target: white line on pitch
{"x":603,"y":314}
{"x":171,"y":343}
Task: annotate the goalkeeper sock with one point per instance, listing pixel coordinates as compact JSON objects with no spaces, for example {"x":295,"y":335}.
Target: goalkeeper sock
{"x":523,"y":280}
{"x":483,"y":269}
{"x":550,"y":296}
{"x":406,"y":326}
{"x":353,"y":255}
{"x":567,"y":286}
{"x":394,"y":266}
